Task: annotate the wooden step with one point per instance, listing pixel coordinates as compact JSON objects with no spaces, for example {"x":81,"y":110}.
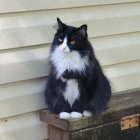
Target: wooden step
{"x":119,"y":122}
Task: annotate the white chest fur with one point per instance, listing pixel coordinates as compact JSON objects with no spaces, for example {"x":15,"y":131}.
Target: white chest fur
{"x":67,"y":61}
{"x":71,"y":92}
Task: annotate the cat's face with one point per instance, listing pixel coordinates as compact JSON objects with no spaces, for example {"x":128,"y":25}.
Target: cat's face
{"x":68,"y":38}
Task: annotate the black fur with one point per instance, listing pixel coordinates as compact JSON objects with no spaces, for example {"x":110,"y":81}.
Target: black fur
{"x":95,"y":90}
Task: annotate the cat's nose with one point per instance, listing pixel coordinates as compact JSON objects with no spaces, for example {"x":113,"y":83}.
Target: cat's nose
{"x":64,"y":49}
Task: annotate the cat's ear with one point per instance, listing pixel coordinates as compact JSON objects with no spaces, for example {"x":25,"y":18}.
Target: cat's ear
{"x":61,"y":25}
{"x":82,"y":31}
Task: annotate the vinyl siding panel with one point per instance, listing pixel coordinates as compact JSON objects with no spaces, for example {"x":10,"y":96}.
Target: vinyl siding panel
{"x":22,"y":97}
{"x":23,"y":127}
{"x":33,"y":63}
{"x":34,"y":28}
{"x":117,"y":48}
{"x":31,"y":5}
{"x":124,"y":76}
{"x":26,"y":33}
{"x":23,"y":65}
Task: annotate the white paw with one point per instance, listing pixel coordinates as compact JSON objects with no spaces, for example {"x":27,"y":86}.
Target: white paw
{"x":87,"y":113}
{"x":64,"y":115}
{"x":76,"y":115}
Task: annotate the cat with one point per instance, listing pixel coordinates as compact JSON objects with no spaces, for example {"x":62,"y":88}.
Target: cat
{"x":76,"y":84}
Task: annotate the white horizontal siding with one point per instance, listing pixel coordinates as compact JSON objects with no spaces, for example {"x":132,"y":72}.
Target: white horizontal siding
{"x":117,"y":48}
{"x":124,"y":76}
{"x":23,"y":127}
{"x":21,"y":97}
{"x":32,"y":63}
{"x":30,"y":5}
{"x":32,"y":28}
{"x":23,"y":65}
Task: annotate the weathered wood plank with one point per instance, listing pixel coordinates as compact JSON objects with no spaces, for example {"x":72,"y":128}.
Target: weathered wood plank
{"x":121,"y":105}
{"x":108,"y":131}
{"x":51,"y":118}
{"x":57,"y":134}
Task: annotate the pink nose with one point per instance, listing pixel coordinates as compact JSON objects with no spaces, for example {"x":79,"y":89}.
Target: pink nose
{"x":63,"y":49}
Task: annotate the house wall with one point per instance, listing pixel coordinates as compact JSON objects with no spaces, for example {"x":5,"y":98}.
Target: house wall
{"x":26,"y":31}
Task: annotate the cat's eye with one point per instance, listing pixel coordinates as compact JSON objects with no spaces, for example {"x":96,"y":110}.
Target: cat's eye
{"x":72,"y":42}
{"x":60,"y":40}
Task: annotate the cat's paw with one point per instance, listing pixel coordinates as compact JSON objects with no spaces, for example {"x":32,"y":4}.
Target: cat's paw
{"x":87,"y":113}
{"x":76,"y":115}
{"x":64,"y":115}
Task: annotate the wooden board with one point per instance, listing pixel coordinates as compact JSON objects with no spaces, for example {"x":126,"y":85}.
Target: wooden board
{"x":121,"y":105}
{"x":109,"y":131}
{"x":105,"y":126}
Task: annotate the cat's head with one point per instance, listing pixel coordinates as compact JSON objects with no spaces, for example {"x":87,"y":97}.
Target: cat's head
{"x":68,"y":38}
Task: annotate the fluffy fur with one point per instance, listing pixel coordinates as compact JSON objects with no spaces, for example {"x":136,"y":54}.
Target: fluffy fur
{"x":76,"y":83}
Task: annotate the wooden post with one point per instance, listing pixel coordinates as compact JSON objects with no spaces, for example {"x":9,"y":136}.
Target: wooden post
{"x":57,"y":134}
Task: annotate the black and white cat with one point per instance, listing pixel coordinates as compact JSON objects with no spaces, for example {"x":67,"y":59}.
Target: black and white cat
{"x":76,"y":84}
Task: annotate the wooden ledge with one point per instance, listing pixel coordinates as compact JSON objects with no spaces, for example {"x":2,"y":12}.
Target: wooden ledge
{"x":120,"y":106}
